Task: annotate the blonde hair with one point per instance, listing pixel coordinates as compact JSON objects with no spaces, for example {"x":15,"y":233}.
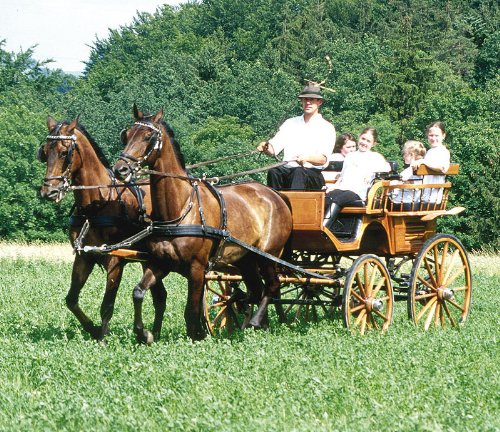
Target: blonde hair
{"x":415,"y":148}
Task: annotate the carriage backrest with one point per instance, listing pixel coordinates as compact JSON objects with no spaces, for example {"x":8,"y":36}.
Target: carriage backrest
{"x":452,"y":170}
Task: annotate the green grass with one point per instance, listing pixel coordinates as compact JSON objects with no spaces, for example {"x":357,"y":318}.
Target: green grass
{"x":315,"y":377}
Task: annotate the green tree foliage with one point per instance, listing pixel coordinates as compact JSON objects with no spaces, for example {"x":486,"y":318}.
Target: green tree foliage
{"x":27,"y":92}
{"x":227,"y":72}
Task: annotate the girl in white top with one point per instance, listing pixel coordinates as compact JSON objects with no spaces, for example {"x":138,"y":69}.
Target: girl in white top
{"x":360,"y":166}
{"x":437,"y":158}
{"x":356,"y":176}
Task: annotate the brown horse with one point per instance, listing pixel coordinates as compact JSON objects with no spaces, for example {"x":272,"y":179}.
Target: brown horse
{"x":189,"y":210}
{"x":102,"y":215}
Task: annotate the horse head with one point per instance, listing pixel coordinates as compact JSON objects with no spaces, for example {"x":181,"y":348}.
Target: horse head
{"x":58,"y":152}
{"x":145,"y":142}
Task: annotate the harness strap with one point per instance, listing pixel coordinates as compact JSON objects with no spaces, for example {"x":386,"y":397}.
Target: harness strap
{"x":79,"y":240}
{"x":162,"y":229}
{"x":215,"y":233}
{"x":218,"y":246}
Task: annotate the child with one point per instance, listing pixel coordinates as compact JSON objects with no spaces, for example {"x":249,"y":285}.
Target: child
{"x":411,"y":151}
{"x":344,"y":145}
{"x":437,"y":158}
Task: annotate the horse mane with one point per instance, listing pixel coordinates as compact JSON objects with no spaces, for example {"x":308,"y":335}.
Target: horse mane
{"x":96,"y":148}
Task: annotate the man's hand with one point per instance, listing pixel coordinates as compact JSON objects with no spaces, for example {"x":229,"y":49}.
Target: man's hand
{"x":265,"y":147}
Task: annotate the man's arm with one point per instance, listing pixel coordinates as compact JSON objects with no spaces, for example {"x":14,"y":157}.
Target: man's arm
{"x":314,"y":159}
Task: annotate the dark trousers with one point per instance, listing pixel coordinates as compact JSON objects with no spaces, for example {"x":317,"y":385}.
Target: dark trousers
{"x":341,"y":197}
{"x":298,"y":178}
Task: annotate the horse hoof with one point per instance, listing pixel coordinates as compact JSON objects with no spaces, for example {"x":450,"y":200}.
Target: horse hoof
{"x":149,"y":337}
{"x":256,"y":324}
{"x":96,"y":333}
{"x":146,"y":337}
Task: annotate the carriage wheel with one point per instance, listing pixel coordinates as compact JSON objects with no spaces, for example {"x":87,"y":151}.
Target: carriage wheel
{"x":307,"y":303}
{"x":221,"y":313}
{"x":440,"y":285}
{"x":367,"y":301}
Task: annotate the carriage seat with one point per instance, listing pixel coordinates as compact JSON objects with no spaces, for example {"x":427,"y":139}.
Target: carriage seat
{"x":413,"y":194}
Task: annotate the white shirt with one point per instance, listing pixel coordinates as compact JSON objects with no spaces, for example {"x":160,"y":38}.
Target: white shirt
{"x":435,"y":157}
{"x":399,"y":196}
{"x":296,"y":137}
{"x":359,"y":171}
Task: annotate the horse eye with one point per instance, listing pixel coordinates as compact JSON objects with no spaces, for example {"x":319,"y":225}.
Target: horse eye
{"x":63,"y":154}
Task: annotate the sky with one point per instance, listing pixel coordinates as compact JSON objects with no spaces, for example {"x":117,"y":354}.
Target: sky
{"x":64,"y":30}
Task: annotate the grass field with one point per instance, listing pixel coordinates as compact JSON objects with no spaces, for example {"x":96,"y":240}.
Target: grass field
{"x":315,"y":377}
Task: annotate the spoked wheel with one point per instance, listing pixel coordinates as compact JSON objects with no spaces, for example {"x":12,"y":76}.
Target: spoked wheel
{"x":367,"y":301}
{"x":440,"y":286}
{"x":307,"y":303}
{"x":221,"y":302}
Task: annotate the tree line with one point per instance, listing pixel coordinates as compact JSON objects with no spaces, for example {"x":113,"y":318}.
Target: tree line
{"x":227,"y":73}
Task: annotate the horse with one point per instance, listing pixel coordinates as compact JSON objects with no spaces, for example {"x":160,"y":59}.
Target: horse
{"x":187,"y":210}
{"x":101,"y":215}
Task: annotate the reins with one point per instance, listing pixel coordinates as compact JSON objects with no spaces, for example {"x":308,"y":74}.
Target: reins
{"x":212,"y":180}
{"x":221,"y":159}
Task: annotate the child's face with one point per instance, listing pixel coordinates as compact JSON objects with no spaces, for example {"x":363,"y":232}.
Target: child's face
{"x":435,"y":136}
{"x":348,"y":147}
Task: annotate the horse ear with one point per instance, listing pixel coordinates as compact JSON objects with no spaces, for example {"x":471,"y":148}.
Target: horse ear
{"x":137,"y":114}
{"x":158,"y":116}
{"x":73,"y":124}
{"x":51,"y":123}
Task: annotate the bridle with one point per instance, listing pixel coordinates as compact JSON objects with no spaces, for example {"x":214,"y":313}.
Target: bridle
{"x":137,"y":164}
{"x":65,"y":177}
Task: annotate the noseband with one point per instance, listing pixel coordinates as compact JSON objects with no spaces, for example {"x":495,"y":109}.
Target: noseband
{"x":136,"y":164}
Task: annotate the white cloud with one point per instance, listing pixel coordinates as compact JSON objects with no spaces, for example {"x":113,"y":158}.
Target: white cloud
{"x":64,"y":30}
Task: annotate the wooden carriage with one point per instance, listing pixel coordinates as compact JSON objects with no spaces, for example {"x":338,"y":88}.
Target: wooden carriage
{"x":374,"y":255}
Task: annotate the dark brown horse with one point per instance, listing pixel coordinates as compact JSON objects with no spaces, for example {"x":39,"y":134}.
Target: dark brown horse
{"x":102,"y":215}
{"x":187,"y":209}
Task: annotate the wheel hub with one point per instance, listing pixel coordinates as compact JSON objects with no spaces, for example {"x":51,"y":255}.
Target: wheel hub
{"x":444,"y":293}
{"x":374,"y":304}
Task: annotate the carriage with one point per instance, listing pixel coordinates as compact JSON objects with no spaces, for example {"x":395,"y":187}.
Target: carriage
{"x":375,"y":254}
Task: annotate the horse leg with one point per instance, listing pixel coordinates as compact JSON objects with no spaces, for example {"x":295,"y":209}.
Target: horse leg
{"x":114,"y":268}
{"x":193,"y":313}
{"x":272,"y":290}
{"x":159,"y":294}
{"x":250,"y":273}
{"x":82,"y":267}
{"x":273,"y":285}
{"x":149,"y":279}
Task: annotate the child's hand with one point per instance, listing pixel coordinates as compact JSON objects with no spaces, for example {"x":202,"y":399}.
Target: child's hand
{"x":415,"y":164}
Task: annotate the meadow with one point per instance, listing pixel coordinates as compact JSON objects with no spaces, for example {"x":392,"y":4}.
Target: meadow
{"x":314,"y":377}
